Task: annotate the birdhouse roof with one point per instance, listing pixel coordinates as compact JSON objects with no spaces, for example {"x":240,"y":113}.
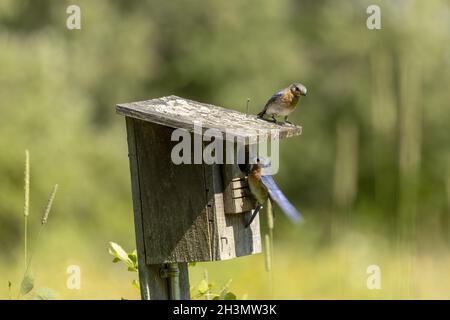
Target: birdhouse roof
{"x":176,"y":112}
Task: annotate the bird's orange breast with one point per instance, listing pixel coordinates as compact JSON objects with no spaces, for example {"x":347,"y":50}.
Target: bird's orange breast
{"x":289,"y":99}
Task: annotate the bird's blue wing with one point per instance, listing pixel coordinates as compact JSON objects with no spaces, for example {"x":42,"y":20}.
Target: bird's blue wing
{"x":280,"y":199}
{"x":274,"y":98}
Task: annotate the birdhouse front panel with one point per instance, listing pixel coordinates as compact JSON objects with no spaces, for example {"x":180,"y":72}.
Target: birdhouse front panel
{"x":182,"y":205}
{"x":173,"y":200}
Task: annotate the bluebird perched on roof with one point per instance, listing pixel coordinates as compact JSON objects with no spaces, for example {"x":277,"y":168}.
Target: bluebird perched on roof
{"x":283,"y":102}
{"x":262,"y":187}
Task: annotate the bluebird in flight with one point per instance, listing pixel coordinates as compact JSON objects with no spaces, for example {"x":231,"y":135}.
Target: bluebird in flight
{"x":283,"y":102}
{"x":263,"y":187}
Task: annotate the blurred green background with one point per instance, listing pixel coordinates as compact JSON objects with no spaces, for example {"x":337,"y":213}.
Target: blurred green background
{"x":370,"y":173}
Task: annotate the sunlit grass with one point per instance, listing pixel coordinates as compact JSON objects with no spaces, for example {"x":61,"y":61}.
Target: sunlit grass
{"x":300,"y":271}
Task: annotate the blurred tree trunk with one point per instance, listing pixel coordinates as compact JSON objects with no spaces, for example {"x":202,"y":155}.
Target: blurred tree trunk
{"x":383,"y":119}
{"x":345,"y":174}
{"x":410,"y":145}
{"x":409,"y":157}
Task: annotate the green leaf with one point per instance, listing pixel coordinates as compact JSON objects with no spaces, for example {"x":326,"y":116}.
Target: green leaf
{"x":44,"y":294}
{"x":133,"y":257}
{"x":116,"y":251}
{"x":203,"y":286}
{"x":132,"y":269}
{"x":115,"y":260}
{"x":27,"y":284}
{"x":136,"y":285}
{"x":230,"y":296}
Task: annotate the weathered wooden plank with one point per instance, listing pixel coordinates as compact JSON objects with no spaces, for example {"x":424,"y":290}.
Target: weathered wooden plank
{"x":157,"y":287}
{"x":178,"y":112}
{"x":239,"y":183}
{"x":240,"y":192}
{"x":230,"y":237}
{"x":246,"y":240}
{"x":152,"y":286}
{"x":237,"y":196}
{"x":214,"y":190}
{"x":185,"y":289}
{"x":173,"y":200}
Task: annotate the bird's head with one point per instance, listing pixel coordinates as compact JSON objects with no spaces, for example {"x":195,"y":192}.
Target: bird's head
{"x":298,"y":89}
{"x":257,"y":164}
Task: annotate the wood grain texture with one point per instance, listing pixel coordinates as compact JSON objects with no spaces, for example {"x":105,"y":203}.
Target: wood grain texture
{"x":173,"y":200}
{"x":152,"y":286}
{"x":237,"y":196}
{"x":230,"y":237}
{"x":176,"y":112}
{"x":179,"y":209}
{"x":185,"y":289}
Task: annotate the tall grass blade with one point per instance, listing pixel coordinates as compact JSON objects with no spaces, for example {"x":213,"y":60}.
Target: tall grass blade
{"x":26,"y":206}
{"x":49,"y":205}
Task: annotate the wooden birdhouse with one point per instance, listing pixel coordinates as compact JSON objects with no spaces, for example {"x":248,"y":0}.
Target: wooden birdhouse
{"x":194,"y":211}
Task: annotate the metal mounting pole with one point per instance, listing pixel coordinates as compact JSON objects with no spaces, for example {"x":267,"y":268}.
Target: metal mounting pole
{"x":172,"y":273}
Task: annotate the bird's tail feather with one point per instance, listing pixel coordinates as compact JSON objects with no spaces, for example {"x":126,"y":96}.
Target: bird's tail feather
{"x":280,"y":199}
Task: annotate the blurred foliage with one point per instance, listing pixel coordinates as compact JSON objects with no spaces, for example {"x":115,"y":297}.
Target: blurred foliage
{"x":206,"y":290}
{"x":373,"y":159}
{"x":203,"y":290}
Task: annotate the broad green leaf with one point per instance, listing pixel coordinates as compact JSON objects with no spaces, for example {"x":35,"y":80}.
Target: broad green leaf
{"x":117,"y":251}
{"x":26,"y":285}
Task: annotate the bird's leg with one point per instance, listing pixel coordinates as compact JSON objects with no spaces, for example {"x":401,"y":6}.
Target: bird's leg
{"x":286,"y":120}
{"x":249,"y":222}
{"x":272,"y":119}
